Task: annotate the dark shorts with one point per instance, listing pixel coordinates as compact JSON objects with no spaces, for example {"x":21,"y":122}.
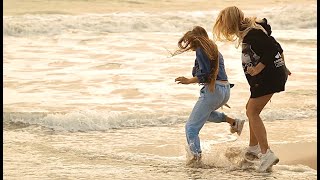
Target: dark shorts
{"x":262,"y":90}
{"x":268,"y":86}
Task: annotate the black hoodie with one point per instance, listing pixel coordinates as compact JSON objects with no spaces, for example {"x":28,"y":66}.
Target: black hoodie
{"x":267,"y":27}
{"x":260,"y":47}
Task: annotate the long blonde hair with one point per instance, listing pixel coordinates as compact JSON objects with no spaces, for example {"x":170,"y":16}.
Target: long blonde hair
{"x":196,"y":38}
{"x":233,"y":26}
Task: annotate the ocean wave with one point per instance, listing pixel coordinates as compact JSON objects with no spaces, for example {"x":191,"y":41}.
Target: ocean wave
{"x":84,"y":121}
{"x":52,"y":24}
{"x":289,"y":17}
{"x":298,"y":41}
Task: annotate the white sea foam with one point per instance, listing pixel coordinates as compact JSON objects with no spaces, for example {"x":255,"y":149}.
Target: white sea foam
{"x":92,"y":120}
{"x":52,"y":24}
{"x":95,"y":94}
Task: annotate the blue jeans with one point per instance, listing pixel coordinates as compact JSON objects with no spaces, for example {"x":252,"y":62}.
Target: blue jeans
{"x":205,"y":110}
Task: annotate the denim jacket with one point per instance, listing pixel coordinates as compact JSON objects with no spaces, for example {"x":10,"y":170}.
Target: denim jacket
{"x":202,"y":68}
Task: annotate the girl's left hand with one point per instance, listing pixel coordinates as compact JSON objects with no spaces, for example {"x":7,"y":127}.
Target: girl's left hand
{"x":252,"y":71}
{"x":288,"y":71}
{"x":182,"y":80}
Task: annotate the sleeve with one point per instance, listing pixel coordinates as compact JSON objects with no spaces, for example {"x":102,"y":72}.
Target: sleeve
{"x":204,"y":66}
{"x":262,"y":45}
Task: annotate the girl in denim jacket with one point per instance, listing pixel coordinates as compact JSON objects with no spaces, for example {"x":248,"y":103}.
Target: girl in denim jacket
{"x":208,"y":71}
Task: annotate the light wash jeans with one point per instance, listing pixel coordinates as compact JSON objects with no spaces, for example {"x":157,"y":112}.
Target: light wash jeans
{"x":205,"y":110}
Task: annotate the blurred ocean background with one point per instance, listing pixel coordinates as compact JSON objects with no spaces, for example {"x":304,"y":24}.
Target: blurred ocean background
{"x":89,"y":90}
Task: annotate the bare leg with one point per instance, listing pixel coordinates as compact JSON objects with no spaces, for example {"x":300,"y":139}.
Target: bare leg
{"x":230,"y":120}
{"x":253,"y":140}
{"x":254,"y":108}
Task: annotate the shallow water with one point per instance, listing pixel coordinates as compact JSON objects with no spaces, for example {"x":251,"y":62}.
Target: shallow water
{"x":91,"y":95}
{"x":143,"y":153}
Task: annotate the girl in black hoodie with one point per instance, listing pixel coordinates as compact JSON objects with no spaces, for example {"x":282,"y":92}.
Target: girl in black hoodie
{"x":264,"y":67}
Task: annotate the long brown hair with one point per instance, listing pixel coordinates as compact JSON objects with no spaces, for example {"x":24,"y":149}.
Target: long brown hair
{"x":196,"y":38}
{"x":232,"y":25}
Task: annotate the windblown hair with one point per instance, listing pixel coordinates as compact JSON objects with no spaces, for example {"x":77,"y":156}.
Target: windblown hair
{"x":196,"y":38}
{"x":232,"y":25}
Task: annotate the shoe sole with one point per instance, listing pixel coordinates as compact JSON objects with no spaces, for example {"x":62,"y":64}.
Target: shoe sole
{"x":241,"y":127}
{"x":270,"y":166}
{"x":275,"y":162}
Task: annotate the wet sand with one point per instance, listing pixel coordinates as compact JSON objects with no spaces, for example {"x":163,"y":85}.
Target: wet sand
{"x":304,"y":153}
{"x":154,"y":146}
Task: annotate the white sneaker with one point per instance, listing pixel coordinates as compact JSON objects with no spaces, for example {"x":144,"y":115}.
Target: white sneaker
{"x":252,"y":153}
{"x":237,"y":127}
{"x":267,"y":160}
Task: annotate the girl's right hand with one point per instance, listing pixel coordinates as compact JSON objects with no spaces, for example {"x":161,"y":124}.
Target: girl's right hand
{"x":182,"y":80}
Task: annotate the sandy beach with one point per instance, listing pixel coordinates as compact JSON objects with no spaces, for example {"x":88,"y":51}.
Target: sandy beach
{"x":298,"y":153}
{"x":157,"y":156}
{"x":89,"y":91}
